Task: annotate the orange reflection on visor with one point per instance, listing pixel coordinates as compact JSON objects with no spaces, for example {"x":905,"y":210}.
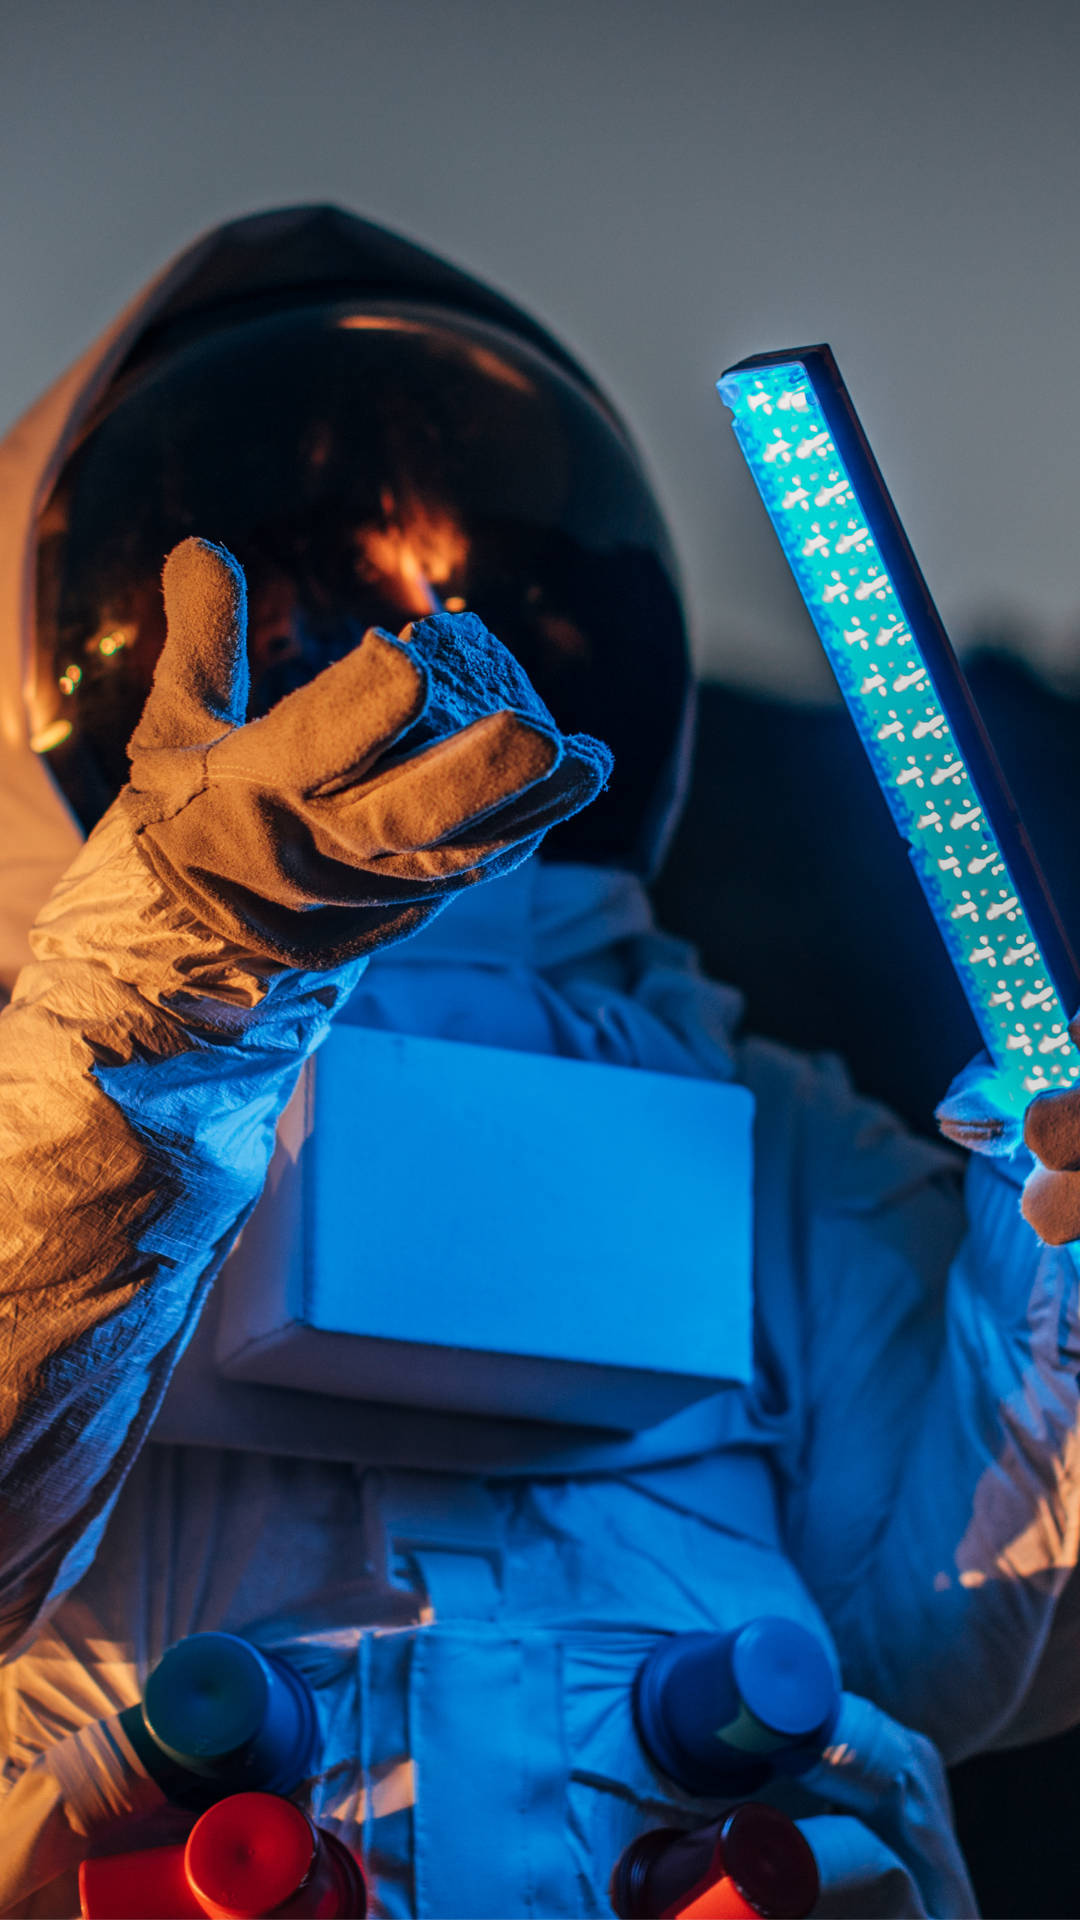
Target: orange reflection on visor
{"x":417,"y":550}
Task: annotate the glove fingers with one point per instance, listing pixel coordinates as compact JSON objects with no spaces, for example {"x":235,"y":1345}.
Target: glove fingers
{"x":415,"y":808}
{"x":328,"y":732}
{"x":1051,"y":1204}
{"x":575,"y":780}
{"x":581,"y":774}
{"x":200,"y":687}
{"x":1052,"y":1129}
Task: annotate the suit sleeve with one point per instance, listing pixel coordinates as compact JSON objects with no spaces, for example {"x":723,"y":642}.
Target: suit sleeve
{"x":143,"y":1064}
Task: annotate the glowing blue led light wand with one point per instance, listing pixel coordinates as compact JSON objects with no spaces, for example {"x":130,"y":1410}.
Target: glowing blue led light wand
{"x":853,"y":565}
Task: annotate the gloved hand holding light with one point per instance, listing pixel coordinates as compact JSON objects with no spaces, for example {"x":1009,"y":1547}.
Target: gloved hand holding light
{"x":866,"y":595}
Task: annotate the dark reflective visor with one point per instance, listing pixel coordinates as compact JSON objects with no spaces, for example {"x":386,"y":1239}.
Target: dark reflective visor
{"x":367,"y":465}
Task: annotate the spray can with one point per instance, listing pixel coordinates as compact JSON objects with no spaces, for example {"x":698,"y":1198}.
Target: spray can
{"x":754,"y":1862}
{"x":220,"y":1716}
{"x":253,"y":1854}
{"x":721,"y":1714}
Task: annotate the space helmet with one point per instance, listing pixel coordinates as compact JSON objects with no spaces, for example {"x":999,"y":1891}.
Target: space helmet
{"x":371,"y":449}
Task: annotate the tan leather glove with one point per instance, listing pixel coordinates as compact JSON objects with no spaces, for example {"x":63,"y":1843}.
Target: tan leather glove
{"x":355,"y":809}
{"x":976,"y":1114}
{"x":1052,"y":1194}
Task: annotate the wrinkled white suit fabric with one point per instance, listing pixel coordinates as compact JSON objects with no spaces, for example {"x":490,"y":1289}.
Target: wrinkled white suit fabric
{"x":529,"y":1673}
{"x":901,"y":1476}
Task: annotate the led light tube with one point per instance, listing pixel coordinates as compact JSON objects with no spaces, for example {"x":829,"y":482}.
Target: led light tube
{"x":854,"y":567}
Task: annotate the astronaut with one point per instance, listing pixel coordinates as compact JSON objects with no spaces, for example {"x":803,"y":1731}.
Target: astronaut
{"x":387,"y":445}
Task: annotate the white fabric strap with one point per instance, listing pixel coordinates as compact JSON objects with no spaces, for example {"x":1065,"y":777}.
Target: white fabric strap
{"x":440,"y":1532}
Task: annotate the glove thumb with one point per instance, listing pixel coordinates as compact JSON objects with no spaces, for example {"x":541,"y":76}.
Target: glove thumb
{"x":980,"y":1113}
{"x":200,"y":688}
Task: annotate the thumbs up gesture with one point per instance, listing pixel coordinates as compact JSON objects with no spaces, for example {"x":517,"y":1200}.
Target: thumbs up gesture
{"x":361,"y":803}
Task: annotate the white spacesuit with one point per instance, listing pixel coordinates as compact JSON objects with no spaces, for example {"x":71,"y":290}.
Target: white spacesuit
{"x":900,"y":1475}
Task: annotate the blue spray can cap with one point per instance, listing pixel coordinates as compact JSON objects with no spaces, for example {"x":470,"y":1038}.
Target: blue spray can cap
{"x":221,"y":1716}
{"x":723,"y":1713}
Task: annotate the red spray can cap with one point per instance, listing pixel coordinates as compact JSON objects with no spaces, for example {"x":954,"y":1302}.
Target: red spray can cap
{"x":250,"y":1857}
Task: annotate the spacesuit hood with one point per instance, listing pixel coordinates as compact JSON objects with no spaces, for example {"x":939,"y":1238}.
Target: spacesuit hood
{"x":315,"y":251}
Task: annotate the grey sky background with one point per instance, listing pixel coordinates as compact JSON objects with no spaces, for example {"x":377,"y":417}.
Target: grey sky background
{"x":670,"y":187}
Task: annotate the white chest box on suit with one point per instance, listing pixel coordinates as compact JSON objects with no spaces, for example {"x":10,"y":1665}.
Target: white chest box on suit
{"x":466,"y":1228}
